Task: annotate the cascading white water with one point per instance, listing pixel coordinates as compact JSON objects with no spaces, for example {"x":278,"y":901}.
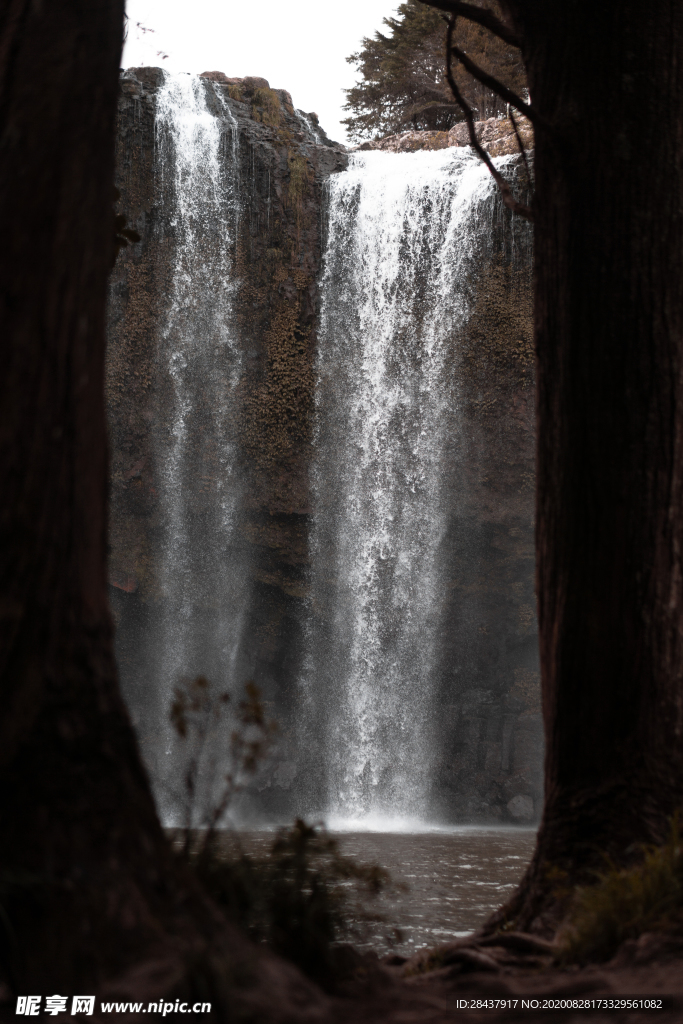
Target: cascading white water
{"x":403,"y":230}
{"x":309,"y":128}
{"x":199,"y":367}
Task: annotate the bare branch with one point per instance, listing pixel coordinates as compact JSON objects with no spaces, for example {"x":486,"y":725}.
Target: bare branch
{"x":481,"y":15}
{"x":508,"y":198}
{"x":520,"y":143}
{"x":420,"y":109}
{"x":495,"y":86}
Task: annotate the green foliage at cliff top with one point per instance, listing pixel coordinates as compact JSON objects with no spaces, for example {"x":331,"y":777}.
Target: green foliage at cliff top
{"x":402,"y":84}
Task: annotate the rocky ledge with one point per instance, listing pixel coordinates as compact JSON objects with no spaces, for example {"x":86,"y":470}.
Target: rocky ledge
{"x":496,"y":135}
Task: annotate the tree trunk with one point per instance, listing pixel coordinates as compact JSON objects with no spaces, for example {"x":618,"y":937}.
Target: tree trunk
{"x":79,"y":839}
{"x":608,"y":80}
{"x":88,"y":885}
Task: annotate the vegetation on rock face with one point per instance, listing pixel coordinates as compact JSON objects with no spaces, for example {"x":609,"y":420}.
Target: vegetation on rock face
{"x":402,"y":81}
{"x":266,"y":107}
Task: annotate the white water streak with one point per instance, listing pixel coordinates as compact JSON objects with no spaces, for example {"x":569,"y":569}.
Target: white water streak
{"x":197,"y":179}
{"x":402,"y":230}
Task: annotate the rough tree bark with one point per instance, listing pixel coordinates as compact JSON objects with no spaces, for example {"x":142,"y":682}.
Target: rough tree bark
{"x":608,"y":80}
{"x":88,"y":886}
{"x":83,"y":857}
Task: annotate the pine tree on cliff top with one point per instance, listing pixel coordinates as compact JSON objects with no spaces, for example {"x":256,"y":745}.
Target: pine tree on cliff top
{"x":402,"y":84}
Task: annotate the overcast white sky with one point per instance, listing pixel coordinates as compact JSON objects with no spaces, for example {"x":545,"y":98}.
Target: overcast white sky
{"x":299,"y":45}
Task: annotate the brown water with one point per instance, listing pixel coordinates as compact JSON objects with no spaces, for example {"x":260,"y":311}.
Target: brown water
{"x":445,"y":882}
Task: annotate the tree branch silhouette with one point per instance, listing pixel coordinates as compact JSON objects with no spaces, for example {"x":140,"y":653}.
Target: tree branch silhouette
{"x":520,"y":143}
{"x":494,"y":85}
{"x":481,"y":15}
{"x":506,"y":192}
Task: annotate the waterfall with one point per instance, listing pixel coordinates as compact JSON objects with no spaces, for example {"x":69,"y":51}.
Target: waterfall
{"x":320,"y":394}
{"x":403,"y":231}
{"x":199,"y":366}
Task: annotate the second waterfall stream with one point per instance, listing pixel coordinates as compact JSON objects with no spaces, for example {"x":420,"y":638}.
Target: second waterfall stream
{"x":403,"y":232}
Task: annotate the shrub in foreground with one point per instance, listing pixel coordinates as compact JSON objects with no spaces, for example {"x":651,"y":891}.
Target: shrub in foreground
{"x":297,"y":898}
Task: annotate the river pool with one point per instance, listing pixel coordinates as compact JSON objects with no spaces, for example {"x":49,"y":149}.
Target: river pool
{"x":445,"y":882}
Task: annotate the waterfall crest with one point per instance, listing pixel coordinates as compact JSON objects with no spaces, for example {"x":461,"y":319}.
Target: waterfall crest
{"x":403,"y":231}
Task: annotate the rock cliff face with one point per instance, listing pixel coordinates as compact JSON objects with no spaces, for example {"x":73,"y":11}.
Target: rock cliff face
{"x":492,"y":739}
{"x":488,"y":765}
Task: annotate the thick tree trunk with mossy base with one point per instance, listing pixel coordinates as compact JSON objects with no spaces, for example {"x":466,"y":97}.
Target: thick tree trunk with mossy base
{"x":607,"y":82}
{"x":89,"y":888}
